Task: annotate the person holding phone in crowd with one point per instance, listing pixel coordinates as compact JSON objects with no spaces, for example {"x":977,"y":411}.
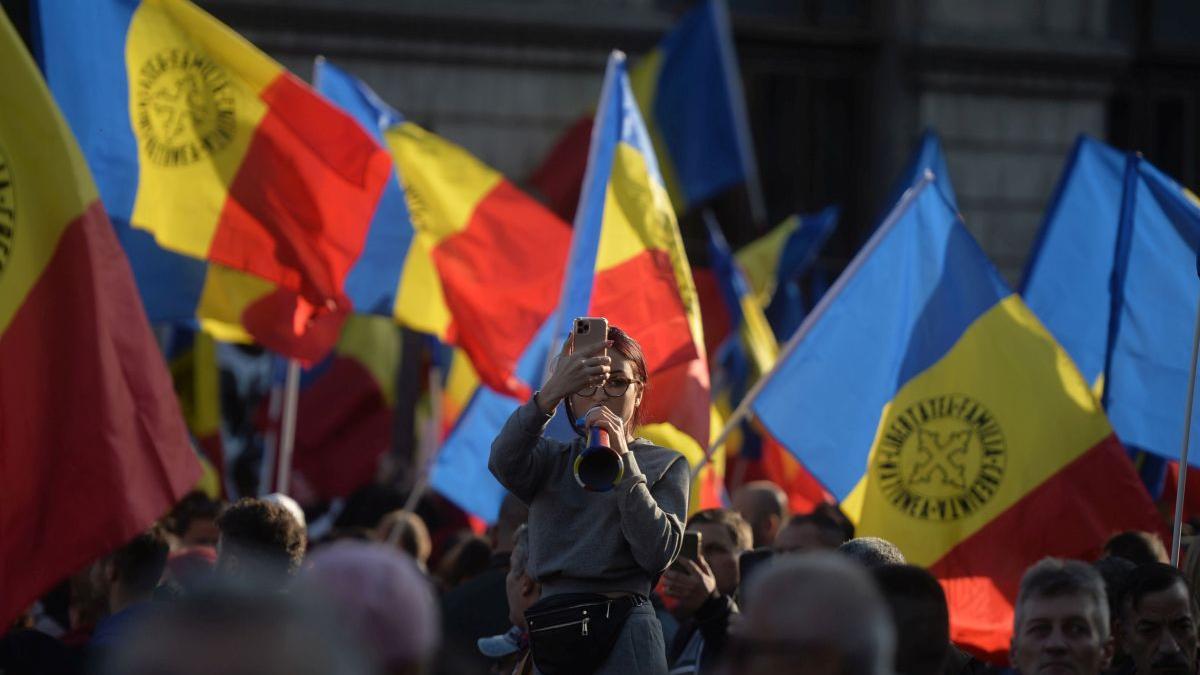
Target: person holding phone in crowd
{"x":595,"y":553}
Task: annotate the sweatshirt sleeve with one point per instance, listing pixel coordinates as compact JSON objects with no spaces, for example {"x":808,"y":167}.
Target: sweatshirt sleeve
{"x":521,"y":458}
{"x":652,"y":517}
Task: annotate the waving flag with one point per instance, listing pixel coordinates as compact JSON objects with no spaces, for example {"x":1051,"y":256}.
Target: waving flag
{"x":626,"y":263}
{"x":929,"y":400}
{"x":344,"y":413}
{"x":200,"y":139}
{"x":1113,"y":277}
{"x":732,"y":310}
{"x":689,"y":91}
{"x":467,"y":257}
{"x":776,"y":263}
{"x":92,"y":443}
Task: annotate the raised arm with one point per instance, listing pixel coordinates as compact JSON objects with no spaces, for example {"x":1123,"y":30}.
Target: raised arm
{"x":652,"y":516}
{"x":520,"y":457}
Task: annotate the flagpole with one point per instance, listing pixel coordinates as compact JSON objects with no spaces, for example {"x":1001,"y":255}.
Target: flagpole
{"x":1181,"y":484}
{"x":743,"y":408}
{"x":266,"y":473}
{"x":287,"y":435}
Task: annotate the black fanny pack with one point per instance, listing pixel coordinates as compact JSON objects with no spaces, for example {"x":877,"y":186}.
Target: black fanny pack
{"x":574,"y":632}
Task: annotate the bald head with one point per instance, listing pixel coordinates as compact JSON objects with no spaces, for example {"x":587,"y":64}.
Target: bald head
{"x":765,"y":506}
{"x":816,"y":608}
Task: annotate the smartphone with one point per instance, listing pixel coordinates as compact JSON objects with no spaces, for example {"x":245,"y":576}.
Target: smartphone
{"x":690,"y":549}
{"x":589,"y":332}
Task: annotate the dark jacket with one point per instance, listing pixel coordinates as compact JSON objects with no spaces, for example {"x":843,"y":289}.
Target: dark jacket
{"x":698,"y":645}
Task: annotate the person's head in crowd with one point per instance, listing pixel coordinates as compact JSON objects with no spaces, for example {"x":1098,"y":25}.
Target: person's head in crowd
{"x":1061,"y":622}
{"x":366,"y":506}
{"x":814,"y":531}
{"x":765,"y":506}
{"x":920,"y":615}
{"x":292,"y":506}
{"x":1158,"y":621}
{"x":381,"y":595}
{"x":519,"y":587}
{"x":1137,"y":547}
{"x":227,"y":632}
{"x":1116,"y":573}
{"x":812,"y":614}
{"x":87,"y":602}
{"x":130,"y":574}
{"x":466,"y":559}
{"x":191,"y":568}
{"x":261,"y":544}
{"x":194,"y":520}
{"x":724,"y":536}
{"x":834,"y":513}
{"x":406,"y":531}
{"x":513,"y":514}
{"x":872,"y":552}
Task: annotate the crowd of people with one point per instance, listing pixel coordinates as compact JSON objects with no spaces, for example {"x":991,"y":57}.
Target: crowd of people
{"x":239,"y":588}
{"x":574,"y":578}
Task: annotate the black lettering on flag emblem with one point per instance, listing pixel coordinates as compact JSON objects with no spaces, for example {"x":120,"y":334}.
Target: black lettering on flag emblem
{"x":185,"y":107}
{"x":941,"y":458}
{"x":8,"y":211}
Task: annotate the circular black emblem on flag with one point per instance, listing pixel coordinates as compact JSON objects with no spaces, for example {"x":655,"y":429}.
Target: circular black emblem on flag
{"x":185,"y":107}
{"x":8,"y":210}
{"x":941,"y":458}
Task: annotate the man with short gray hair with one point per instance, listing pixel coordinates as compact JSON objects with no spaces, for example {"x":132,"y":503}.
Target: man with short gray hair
{"x":812,"y":613}
{"x":1061,"y":620}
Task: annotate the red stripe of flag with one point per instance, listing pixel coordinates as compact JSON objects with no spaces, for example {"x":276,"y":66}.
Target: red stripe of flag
{"x":94,"y":444}
{"x":516,"y":250}
{"x":1061,"y":518}
{"x":300,"y":205}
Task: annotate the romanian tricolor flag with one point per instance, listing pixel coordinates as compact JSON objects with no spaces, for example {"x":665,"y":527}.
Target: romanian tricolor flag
{"x":777,"y":262}
{"x":627,"y":264}
{"x":203,"y":141}
{"x":689,"y":91}
{"x":466,"y":256}
{"x":942,"y":415}
{"x":92,"y":444}
{"x":750,"y":352}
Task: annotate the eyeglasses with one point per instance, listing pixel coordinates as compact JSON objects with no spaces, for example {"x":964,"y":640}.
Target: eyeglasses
{"x":613,"y":387}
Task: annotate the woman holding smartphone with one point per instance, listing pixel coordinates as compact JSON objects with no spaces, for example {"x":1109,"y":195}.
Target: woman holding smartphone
{"x":596,"y":554}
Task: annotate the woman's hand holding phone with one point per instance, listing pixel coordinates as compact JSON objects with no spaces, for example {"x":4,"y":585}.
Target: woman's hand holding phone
{"x":575,"y":370}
